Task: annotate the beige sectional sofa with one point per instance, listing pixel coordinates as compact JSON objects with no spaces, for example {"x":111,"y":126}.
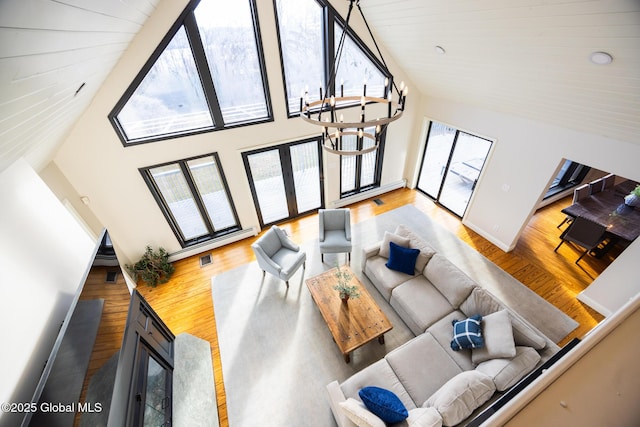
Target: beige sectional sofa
{"x":437,"y":385}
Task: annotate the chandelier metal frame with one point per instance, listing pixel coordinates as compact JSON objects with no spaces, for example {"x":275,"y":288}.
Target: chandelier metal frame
{"x":312,"y":112}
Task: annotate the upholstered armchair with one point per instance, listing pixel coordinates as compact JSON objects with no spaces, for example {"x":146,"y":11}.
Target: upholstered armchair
{"x":278,"y":255}
{"x":335,"y":232}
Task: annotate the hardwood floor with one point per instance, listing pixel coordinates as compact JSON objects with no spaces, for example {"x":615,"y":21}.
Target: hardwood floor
{"x":185,"y":303}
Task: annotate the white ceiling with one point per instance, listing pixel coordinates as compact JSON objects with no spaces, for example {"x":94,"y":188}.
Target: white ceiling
{"x":524,"y":57}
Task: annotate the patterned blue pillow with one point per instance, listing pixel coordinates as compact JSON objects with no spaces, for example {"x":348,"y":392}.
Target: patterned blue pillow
{"x":467,"y":333}
{"x":384,"y":403}
{"x":402,"y":259}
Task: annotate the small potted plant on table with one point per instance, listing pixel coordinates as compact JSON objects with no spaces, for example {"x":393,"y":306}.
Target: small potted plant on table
{"x":344,"y":287}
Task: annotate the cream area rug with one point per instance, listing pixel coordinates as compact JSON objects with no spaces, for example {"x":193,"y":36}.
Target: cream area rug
{"x":277,"y":352}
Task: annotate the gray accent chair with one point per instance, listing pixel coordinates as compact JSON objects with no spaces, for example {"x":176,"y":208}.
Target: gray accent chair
{"x":335,"y":232}
{"x":278,"y":255}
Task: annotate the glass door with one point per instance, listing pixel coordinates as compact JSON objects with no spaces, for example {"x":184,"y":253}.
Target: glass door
{"x":286,"y":180}
{"x":451,"y":166}
{"x":435,"y":159}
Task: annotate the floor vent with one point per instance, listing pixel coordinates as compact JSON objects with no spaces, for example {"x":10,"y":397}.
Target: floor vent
{"x":378,"y":202}
{"x":112,"y":277}
{"x":205,"y":260}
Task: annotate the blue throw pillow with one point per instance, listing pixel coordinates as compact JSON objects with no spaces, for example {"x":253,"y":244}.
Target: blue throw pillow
{"x":402,"y":259}
{"x":384,"y":404}
{"x":467,"y":333}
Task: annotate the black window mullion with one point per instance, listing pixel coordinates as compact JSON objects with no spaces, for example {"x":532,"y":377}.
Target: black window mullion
{"x":200,"y":57}
{"x":287,"y":175}
{"x":448,"y":164}
{"x":162,"y":202}
{"x":197,"y":197}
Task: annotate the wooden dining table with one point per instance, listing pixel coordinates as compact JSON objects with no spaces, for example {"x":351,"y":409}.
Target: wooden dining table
{"x":623,"y":223}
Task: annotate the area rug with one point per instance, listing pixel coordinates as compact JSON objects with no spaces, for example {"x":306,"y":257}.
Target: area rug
{"x":277,"y":353}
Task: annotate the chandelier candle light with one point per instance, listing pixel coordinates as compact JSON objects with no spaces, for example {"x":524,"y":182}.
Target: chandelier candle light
{"x":334,"y":128}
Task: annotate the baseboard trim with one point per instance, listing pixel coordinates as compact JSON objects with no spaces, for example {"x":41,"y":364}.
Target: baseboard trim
{"x":213,"y":243}
{"x":369,"y":194}
{"x":582,"y":297}
{"x":488,"y":236}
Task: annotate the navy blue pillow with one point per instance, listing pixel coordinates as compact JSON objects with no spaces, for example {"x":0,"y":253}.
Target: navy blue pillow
{"x":384,"y":404}
{"x":467,"y":333}
{"x":402,"y":259}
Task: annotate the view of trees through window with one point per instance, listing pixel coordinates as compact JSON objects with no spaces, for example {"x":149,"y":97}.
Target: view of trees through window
{"x":208,"y":76}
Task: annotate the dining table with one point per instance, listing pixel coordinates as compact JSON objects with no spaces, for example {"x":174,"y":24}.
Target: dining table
{"x":607,"y":207}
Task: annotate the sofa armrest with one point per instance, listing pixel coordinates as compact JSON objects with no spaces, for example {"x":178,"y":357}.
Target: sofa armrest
{"x":368,"y":252}
{"x":335,"y":397}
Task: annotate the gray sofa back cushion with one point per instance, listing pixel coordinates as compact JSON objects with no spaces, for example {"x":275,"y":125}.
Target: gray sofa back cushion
{"x":422,"y":366}
{"x":415,"y":242}
{"x":482,"y":302}
{"x":449,"y":279}
{"x":378,"y":374}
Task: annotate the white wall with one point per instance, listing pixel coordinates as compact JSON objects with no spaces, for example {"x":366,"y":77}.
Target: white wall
{"x":96,"y":164}
{"x":44,"y":254}
{"x":525,"y":156}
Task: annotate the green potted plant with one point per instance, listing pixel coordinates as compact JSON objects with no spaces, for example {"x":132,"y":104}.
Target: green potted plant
{"x":153,"y":267}
{"x":344,"y":287}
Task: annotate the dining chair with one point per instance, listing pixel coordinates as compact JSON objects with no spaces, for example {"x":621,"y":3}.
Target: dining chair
{"x":595,"y":186}
{"x":608,"y":181}
{"x":583,"y":232}
{"x":578,"y":194}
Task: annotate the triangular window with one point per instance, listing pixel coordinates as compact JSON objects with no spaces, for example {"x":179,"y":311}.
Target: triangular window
{"x":207,"y":74}
{"x":303,"y":27}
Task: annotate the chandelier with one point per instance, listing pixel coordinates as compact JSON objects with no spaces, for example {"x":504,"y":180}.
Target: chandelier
{"x":360,"y":123}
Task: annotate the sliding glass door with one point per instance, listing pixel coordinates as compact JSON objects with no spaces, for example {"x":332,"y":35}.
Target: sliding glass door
{"x":451,"y":166}
{"x":285,"y":180}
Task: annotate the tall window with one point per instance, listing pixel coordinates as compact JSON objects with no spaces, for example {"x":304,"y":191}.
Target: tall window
{"x":362,"y":172}
{"x":570,"y":175}
{"x":207,"y":74}
{"x":309,"y":32}
{"x":194,"y":196}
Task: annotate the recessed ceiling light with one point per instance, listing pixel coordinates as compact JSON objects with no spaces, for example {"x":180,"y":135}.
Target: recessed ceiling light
{"x":440,"y":50}
{"x":601,"y":58}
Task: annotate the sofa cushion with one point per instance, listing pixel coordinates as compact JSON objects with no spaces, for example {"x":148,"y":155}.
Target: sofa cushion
{"x":402,"y":259}
{"x":424,"y":417}
{"x":498,"y":338}
{"x":442,"y":330}
{"x":467,"y":333}
{"x":507,"y":372}
{"x":480,"y":301}
{"x":388,"y":238}
{"x":415,"y":242}
{"x":422,"y":366}
{"x":419,"y":303}
{"x":384,"y":280}
{"x":461,"y":395}
{"x":449,"y":279}
{"x":377,"y":374}
{"x":357,"y":412}
{"x":383,"y":403}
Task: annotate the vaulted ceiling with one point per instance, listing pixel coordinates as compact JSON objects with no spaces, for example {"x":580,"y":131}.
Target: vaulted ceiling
{"x":524,"y":57}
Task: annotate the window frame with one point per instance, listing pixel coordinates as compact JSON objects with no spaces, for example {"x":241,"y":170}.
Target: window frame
{"x":377,"y":174}
{"x":330,"y":18}
{"x":213,"y":233}
{"x":187,"y":20}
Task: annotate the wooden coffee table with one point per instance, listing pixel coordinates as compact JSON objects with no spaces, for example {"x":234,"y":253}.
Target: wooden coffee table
{"x":353,"y":323}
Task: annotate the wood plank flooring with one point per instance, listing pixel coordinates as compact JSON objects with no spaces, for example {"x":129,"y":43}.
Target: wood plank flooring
{"x":185,"y":302}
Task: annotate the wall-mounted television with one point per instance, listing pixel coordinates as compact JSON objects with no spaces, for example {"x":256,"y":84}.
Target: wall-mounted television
{"x":77,"y":382}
